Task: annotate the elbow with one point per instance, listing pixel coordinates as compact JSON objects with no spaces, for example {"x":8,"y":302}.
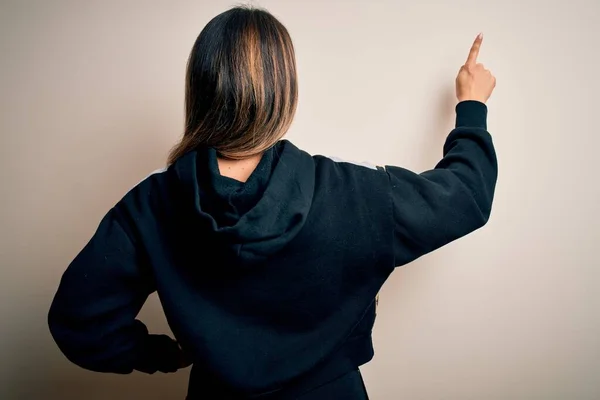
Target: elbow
{"x":479,"y":190}
{"x":475,"y":214}
{"x":484,"y":209}
{"x":81,"y":347}
{"x":479,"y":203}
{"x":59,"y":330}
{"x":68,"y":340}
{"x":64,"y":339}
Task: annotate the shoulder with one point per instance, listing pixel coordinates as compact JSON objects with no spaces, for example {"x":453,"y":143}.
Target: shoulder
{"x":334,"y":176}
{"x":147,"y":187}
{"x":328,"y":163}
{"x":142,"y":201}
{"x":344,"y":164}
{"x":358,"y":174}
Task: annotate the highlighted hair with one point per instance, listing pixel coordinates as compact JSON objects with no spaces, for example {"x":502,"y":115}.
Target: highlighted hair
{"x":241,"y":85}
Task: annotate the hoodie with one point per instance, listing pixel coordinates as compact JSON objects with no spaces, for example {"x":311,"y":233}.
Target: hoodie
{"x":269,"y":286}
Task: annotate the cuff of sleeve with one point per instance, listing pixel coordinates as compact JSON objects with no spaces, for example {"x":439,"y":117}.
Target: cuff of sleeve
{"x":158,"y":353}
{"x":472,"y":114}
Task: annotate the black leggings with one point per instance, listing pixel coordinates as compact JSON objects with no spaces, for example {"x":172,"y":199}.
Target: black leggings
{"x":347,"y":387}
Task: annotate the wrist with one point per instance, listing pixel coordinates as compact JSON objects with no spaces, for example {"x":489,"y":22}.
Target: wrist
{"x":471,"y":113}
{"x":471,"y":98}
{"x":158,"y":353}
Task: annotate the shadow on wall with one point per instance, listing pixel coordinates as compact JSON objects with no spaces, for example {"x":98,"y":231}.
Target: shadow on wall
{"x":61,"y":223}
{"x":45,"y":374}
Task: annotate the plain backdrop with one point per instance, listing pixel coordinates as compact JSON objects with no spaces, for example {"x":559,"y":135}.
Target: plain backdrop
{"x":91,"y":100}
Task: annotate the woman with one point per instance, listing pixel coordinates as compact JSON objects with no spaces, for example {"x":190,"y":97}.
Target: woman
{"x":266,"y":260}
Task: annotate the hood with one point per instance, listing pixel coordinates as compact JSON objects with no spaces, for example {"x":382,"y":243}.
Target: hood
{"x":246,"y":222}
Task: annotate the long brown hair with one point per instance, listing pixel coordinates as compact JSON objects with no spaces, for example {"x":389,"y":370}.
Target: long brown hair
{"x":241,"y":85}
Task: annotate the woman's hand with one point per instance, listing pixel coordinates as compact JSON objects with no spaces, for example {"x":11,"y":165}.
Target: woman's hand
{"x":474,"y":82}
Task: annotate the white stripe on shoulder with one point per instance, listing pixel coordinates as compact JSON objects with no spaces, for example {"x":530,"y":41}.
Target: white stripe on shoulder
{"x":360,"y":164}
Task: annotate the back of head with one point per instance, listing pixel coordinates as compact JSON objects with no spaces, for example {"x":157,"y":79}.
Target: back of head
{"x":241,"y":85}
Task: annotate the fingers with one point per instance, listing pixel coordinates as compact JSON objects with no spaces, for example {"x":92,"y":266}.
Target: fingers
{"x":474,"y":53}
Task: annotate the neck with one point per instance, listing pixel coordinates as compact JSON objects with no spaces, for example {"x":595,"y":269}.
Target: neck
{"x":240,"y":170}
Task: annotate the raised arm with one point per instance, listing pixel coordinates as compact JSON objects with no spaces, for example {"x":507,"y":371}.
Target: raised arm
{"x":433,"y":208}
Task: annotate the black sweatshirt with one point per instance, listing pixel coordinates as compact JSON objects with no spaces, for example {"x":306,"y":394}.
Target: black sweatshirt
{"x":267,"y":285}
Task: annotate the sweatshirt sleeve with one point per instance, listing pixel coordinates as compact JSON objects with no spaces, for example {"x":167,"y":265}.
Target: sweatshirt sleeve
{"x":435,"y":207}
{"x":93,"y":315}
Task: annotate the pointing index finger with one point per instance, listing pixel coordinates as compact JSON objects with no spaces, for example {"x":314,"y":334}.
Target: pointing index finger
{"x":472,"y":59}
